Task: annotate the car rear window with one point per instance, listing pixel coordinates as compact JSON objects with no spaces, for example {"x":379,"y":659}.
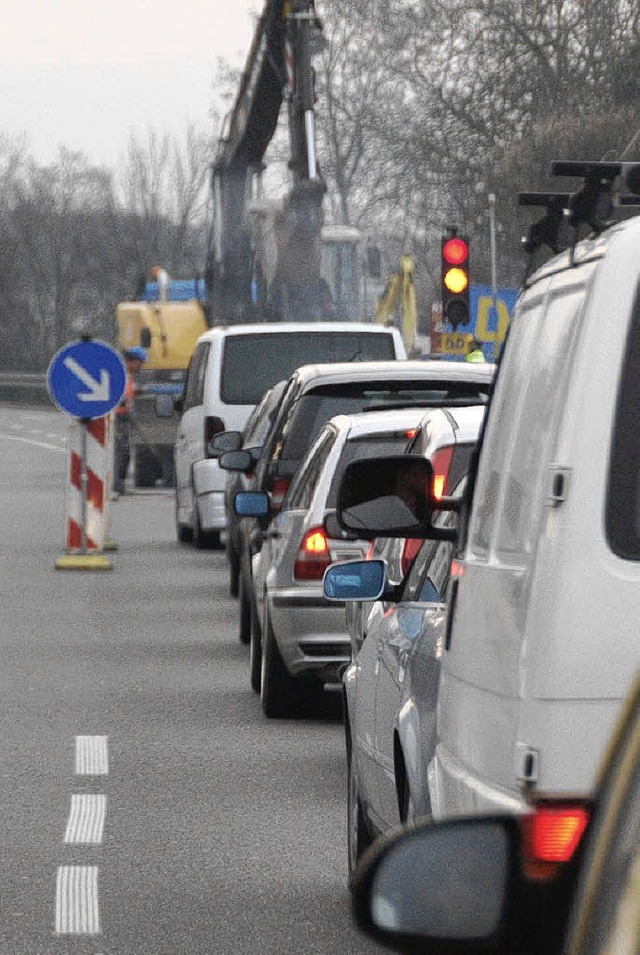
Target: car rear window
{"x":253,"y":363}
{"x":370,"y":446}
{"x":315,"y":408}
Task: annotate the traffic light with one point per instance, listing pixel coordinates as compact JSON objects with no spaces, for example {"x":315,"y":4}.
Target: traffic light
{"x":455,"y":279}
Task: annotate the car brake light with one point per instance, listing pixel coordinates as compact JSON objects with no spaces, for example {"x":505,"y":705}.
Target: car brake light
{"x":441,"y":464}
{"x":279,"y":491}
{"x":313,"y":555}
{"x":212,"y":427}
{"x":457,"y":569}
{"x":552,"y":833}
{"x":410,"y":433}
{"x":409,"y":550}
{"x":371,"y":549}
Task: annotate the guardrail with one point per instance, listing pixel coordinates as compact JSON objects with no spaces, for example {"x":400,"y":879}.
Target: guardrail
{"x":25,"y":386}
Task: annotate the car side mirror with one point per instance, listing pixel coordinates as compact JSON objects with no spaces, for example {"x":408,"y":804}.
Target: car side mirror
{"x":241,"y":461}
{"x":224,"y":441}
{"x":444,"y":887}
{"x":355,"y":580}
{"x":251,"y":503}
{"x":391,"y":497}
{"x":335,"y":531}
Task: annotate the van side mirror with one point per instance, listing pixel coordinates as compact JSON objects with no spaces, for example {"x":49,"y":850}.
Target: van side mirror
{"x":224,"y":441}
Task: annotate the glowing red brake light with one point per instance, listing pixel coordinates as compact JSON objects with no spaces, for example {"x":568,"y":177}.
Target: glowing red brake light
{"x":411,"y":433}
{"x":553,"y":833}
{"x":411,"y":547}
{"x":441,"y":464}
{"x":313,"y":555}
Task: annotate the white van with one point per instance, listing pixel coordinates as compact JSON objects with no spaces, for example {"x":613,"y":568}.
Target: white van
{"x":542,"y":641}
{"x":231,"y":368}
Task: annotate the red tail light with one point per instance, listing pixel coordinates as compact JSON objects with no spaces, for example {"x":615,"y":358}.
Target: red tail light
{"x":410,"y":433}
{"x":411,"y":547}
{"x":371,"y":549}
{"x":278,"y":491}
{"x":552,"y":833}
{"x":313,"y":555}
{"x":441,"y":464}
{"x":212,"y":427}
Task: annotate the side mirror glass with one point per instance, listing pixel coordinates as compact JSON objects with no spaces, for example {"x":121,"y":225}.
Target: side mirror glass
{"x":448,"y":886}
{"x":335,"y":531}
{"x":250,"y":503}
{"x":237,"y":461}
{"x":355,"y":580}
{"x":224,"y":441}
{"x":386,"y":497}
{"x":165,"y":406}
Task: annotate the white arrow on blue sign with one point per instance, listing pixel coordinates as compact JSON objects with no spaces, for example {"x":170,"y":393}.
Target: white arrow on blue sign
{"x":86,"y":379}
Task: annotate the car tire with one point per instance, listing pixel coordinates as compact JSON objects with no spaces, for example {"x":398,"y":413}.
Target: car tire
{"x":280,"y":693}
{"x":255,"y":652}
{"x":184,"y":533}
{"x":244,"y":609}
{"x":203,"y":540}
{"x":234,"y":569}
{"x":358,"y":836}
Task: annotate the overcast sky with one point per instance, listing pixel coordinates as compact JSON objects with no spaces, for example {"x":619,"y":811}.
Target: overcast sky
{"x":87,"y":73}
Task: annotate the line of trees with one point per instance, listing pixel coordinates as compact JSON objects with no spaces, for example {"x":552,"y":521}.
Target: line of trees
{"x":425,"y":108}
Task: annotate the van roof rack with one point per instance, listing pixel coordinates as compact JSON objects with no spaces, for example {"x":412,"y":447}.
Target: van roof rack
{"x":593,"y":204}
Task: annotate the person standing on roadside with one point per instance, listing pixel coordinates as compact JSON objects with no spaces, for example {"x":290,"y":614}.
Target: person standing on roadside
{"x":475,"y":352}
{"x":134,"y":359}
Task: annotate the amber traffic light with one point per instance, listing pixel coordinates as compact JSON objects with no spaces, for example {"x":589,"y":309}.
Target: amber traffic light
{"x":455,"y":279}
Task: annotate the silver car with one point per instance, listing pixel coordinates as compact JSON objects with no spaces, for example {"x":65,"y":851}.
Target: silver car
{"x":305,"y":643}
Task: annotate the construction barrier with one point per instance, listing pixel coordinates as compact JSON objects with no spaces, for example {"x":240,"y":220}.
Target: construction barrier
{"x":90,"y":447}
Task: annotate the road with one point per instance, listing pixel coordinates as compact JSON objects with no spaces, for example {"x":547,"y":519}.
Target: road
{"x":146,"y":804}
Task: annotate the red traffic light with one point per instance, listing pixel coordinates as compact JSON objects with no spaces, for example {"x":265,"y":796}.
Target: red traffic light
{"x":455,"y":251}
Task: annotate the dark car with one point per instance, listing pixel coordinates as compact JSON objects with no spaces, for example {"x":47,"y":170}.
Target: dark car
{"x":253,"y":437}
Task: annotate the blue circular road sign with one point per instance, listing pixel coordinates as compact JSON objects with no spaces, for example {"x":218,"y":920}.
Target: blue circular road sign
{"x":86,"y":379}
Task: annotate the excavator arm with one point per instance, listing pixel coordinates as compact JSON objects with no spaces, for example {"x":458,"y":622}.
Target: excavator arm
{"x":400,"y":294}
{"x":278,"y":68}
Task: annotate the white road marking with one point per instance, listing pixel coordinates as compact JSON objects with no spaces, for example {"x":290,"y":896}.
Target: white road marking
{"x":39,"y":444}
{"x":77,"y":910}
{"x":85,"y":825}
{"x":92,"y":756}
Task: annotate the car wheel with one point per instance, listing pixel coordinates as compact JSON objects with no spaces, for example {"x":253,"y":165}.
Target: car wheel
{"x":358,"y":838}
{"x":244,"y":608}
{"x":234,"y":569}
{"x":280,"y":693}
{"x":184,"y":533}
{"x":204,"y":540}
{"x":255,"y":652}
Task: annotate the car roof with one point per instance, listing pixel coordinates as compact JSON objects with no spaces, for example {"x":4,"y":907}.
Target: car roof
{"x":376,"y":422}
{"x":466,"y":421}
{"x":266,"y":328}
{"x":399,"y":370}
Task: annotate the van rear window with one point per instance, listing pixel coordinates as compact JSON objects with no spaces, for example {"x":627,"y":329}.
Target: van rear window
{"x":252,"y":363}
{"x":623,"y":499}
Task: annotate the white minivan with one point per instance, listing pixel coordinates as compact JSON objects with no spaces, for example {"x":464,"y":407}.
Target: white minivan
{"x":230,"y":370}
{"x":542,"y":641}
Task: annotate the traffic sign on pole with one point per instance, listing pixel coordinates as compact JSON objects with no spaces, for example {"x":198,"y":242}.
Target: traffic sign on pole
{"x":86,"y":379}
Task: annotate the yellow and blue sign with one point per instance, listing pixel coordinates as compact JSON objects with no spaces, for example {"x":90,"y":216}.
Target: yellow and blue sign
{"x":489,"y":320}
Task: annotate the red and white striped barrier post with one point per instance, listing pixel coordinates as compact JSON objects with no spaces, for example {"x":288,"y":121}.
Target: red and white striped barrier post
{"x":88,"y":491}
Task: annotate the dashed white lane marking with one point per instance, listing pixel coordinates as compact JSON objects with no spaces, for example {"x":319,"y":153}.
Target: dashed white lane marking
{"x":77,"y":910}
{"x":92,"y":756}
{"x":39,"y":444}
{"x":85,"y":825}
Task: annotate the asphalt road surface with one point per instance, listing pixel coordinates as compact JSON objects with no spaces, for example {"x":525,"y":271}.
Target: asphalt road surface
{"x":146,"y":805}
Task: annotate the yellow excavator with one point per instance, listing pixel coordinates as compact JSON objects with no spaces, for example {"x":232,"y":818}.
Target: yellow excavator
{"x":399,"y":298}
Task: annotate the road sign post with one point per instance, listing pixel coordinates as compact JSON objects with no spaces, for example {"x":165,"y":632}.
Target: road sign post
{"x":86,"y":380}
